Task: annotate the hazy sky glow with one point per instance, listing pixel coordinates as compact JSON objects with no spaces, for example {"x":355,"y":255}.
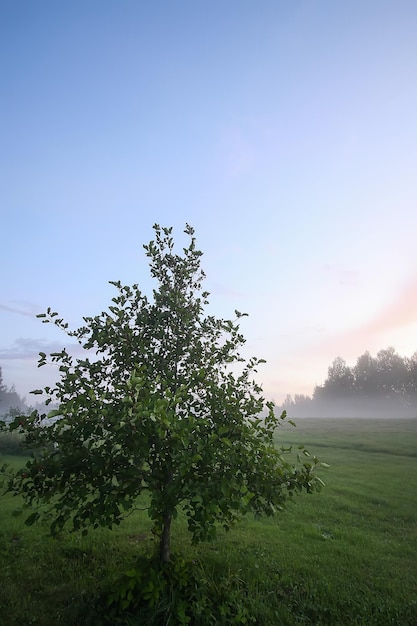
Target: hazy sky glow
{"x":284,"y":132}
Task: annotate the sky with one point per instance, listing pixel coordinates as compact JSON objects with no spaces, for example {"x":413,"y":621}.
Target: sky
{"x":284,"y":132}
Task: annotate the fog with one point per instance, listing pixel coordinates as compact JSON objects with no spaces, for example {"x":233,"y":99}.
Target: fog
{"x":352,"y":408}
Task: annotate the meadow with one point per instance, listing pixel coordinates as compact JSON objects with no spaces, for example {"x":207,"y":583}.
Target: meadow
{"x":345,"y":556}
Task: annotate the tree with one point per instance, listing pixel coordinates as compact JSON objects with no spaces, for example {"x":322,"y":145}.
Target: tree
{"x":392,"y":373}
{"x":10,"y":401}
{"x":166,"y":406}
{"x":339,"y":382}
{"x":412,"y":377}
{"x":366,"y":375}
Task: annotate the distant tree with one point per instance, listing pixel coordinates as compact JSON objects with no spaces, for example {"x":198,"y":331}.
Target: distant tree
{"x":392,"y":373}
{"x":298,"y":406}
{"x":166,"y":406}
{"x":300,"y":399}
{"x":10,"y":400}
{"x":288,"y":402}
{"x":387,"y":378}
{"x":2,"y":387}
{"x":412,"y":378}
{"x":339,"y":382}
{"x":365,"y":375}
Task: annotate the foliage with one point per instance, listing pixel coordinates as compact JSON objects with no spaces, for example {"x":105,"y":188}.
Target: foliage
{"x":177,"y":592}
{"x":165,"y":405}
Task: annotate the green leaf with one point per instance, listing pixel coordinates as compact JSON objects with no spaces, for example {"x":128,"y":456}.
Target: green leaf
{"x":32,"y":519}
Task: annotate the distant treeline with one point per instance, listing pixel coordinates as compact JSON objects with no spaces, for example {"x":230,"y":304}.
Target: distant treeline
{"x":381,"y":386}
{"x":9,"y":398}
{"x":11,"y":403}
{"x":385,"y":385}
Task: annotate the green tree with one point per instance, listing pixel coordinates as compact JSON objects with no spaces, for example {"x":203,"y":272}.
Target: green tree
{"x":412,"y":377}
{"x":338,"y":386}
{"x":165,"y":405}
{"x":3,"y":387}
{"x":392,"y":373}
{"x":10,"y":401}
{"x":366,"y":376}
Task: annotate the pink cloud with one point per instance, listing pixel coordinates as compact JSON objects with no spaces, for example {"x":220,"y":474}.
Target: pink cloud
{"x":402,"y":311}
{"x":399,"y":313}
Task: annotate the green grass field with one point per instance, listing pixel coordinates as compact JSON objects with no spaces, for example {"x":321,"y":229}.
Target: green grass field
{"x":345,"y":556}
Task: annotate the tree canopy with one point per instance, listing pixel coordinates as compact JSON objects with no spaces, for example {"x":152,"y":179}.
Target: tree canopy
{"x":162,"y":404}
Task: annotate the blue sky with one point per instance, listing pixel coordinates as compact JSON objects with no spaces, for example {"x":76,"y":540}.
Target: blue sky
{"x":284,"y":132}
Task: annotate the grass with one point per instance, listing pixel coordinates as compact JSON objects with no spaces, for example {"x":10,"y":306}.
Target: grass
{"x":345,"y":556}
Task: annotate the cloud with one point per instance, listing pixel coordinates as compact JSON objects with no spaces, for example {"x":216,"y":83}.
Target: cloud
{"x":402,"y":311}
{"x":27,"y":349}
{"x":399,"y":313}
{"x":343,"y":275}
{"x":28,"y":309}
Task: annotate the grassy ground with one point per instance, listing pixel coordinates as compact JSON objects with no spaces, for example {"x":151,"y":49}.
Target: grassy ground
{"x":345,"y":556}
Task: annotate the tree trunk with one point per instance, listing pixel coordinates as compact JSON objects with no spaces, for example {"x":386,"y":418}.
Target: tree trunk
{"x":165,"y":544}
